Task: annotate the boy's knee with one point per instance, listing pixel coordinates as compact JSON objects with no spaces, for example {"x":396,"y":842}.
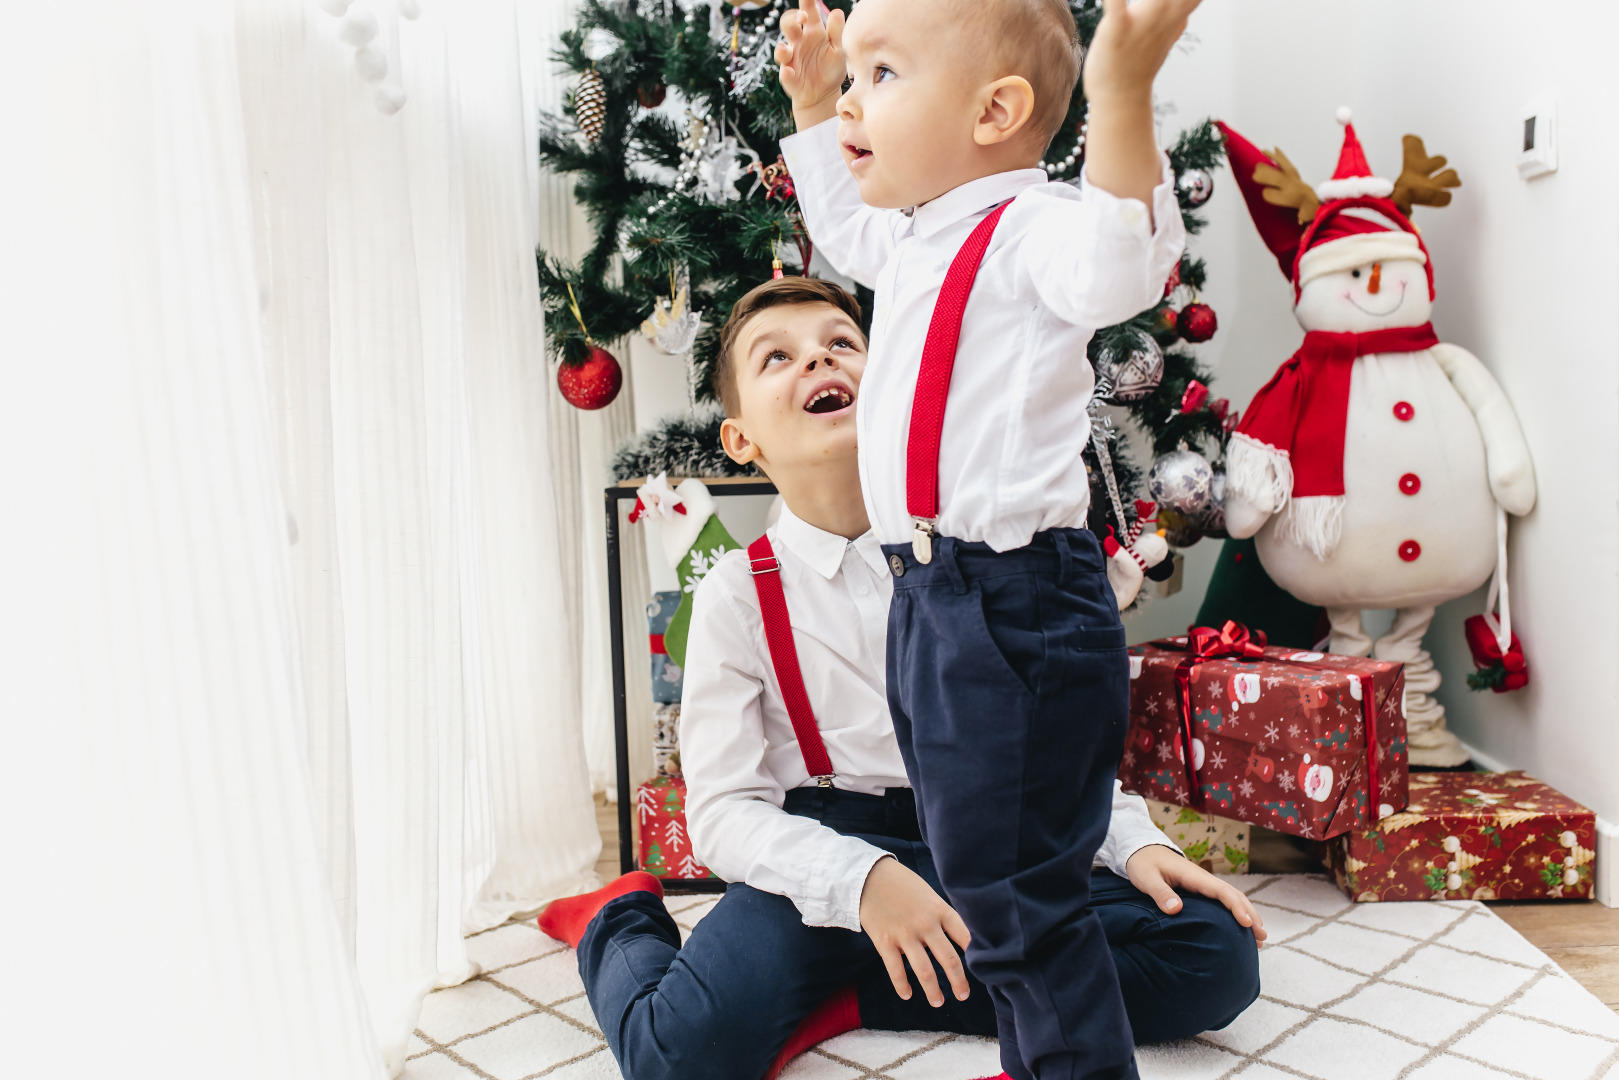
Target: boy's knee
{"x":1226,"y":969}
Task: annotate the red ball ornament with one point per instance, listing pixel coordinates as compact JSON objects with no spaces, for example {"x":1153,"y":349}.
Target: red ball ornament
{"x":593,"y":383}
{"x":1197,"y":323}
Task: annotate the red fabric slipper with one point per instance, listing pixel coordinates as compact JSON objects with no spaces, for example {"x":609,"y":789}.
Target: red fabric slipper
{"x":834,"y":1016}
{"x":566,"y":919}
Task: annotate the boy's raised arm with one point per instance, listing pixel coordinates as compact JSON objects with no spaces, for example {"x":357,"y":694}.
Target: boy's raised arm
{"x":855,"y":238}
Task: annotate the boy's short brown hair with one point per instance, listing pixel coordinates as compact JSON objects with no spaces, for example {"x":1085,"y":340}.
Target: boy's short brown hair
{"x":778,"y":292}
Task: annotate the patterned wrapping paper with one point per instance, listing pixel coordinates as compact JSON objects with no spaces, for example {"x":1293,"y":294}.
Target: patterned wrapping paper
{"x":1278,"y":740}
{"x":667,"y":676}
{"x":1478,"y":836}
{"x":666,"y":739}
{"x":663,"y":844}
{"x":1219,"y":845}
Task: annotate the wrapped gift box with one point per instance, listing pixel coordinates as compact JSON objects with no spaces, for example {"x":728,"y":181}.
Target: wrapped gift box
{"x":664,"y":846}
{"x":1219,"y":845}
{"x":1478,"y":836}
{"x":666,"y":739}
{"x":666,"y":674}
{"x":1278,"y":736}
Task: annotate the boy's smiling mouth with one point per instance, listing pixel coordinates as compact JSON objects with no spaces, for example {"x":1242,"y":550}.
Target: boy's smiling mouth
{"x":829,"y":397}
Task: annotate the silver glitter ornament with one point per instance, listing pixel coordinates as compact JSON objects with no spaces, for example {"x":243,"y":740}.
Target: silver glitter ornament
{"x":1195,"y":186}
{"x":1138,"y":374}
{"x":1182,"y":480}
{"x":1211,"y":522}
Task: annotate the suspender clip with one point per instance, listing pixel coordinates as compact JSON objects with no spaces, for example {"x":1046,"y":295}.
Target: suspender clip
{"x":767,"y":565}
{"x":922,"y":538}
{"x":824,"y":781}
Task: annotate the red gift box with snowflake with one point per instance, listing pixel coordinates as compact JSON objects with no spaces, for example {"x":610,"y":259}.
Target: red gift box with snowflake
{"x":1278,"y":736}
{"x":1472,"y":836}
{"x":665,"y":845}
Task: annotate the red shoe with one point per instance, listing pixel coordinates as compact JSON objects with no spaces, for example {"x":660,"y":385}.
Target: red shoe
{"x":834,"y":1016}
{"x":566,"y":919}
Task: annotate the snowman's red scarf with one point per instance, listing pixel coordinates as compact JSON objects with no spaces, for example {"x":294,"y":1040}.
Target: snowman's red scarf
{"x":1290,"y":444}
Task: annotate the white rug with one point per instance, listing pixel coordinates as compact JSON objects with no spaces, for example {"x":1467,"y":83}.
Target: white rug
{"x":1425,"y":991}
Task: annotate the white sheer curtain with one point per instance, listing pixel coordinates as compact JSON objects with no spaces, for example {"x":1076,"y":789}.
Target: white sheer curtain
{"x":292,"y":697}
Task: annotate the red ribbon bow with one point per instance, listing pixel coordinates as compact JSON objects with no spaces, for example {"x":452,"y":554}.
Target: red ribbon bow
{"x":1195,"y":397}
{"x":1232,"y":639}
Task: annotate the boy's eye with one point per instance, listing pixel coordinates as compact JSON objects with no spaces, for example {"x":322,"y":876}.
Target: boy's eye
{"x":777,"y":355}
{"x":882,"y":73}
{"x":847,"y":82}
{"x":843,"y":342}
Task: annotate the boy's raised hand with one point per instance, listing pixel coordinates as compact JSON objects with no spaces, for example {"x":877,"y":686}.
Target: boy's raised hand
{"x":810,"y":57}
{"x":1131,"y":43}
{"x":1158,"y":871}
{"x":907,"y":920}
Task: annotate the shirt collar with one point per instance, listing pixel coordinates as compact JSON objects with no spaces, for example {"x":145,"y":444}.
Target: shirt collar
{"x":975,"y":196}
{"x":821,"y":550}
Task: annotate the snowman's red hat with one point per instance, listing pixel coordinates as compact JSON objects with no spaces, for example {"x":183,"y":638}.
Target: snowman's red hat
{"x":1348,"y":221}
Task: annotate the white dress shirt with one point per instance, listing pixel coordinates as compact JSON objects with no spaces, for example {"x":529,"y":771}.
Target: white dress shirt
{"x":737,"y":747}
{"x":1064,"y":261}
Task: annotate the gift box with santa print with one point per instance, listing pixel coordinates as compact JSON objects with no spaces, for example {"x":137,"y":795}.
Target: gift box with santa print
{"x":1279,"y":737}
{"x":664,"y":845}
{"x":1472,"y":836}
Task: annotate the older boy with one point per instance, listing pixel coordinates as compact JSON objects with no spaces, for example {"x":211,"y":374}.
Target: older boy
{"x":921,"y":125}
{"x":835,"y":893}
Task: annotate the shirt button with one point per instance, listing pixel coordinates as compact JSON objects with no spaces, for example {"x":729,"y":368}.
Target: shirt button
{"x":861,"y":589}
{"x":1410,"y":551}
{"x":1403,"y":410}
{"x":897,"y":565}
{"x":1131,"y":215}
{"x":1410,"y":483}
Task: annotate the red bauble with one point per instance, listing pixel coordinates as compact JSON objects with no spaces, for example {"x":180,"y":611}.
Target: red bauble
{"x":1197,"y":322}
{"x":651,"y":95}
{"x":592,"y":384}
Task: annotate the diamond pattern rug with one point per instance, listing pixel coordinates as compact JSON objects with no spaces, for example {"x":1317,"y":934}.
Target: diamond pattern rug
{"x":1416,"y":991}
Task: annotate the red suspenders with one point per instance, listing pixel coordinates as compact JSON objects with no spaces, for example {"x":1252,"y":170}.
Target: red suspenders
{"x":766,"y":570}
{"x":933,"y":386}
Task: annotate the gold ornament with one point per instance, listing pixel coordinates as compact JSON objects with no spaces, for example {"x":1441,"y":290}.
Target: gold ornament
{"x":590,"y":104}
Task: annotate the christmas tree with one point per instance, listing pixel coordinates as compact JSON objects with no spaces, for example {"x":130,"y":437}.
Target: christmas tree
{"x":673,"y":134}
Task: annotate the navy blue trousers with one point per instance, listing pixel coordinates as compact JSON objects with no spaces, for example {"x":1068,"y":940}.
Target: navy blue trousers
{"x":1009,"y":687}
{"x":721,"y":1007}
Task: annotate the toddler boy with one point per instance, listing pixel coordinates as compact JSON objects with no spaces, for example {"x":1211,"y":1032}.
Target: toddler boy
{"x":834,"y":892}
{"x":920,"y":128}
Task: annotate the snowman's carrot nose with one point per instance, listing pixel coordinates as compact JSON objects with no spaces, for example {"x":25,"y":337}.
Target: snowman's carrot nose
{"x":1376,"y":283}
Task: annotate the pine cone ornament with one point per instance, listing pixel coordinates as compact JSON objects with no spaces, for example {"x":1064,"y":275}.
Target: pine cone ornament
{"x":590,"y":104}
{"x":593,"y":383}
{"x":1197,"y":323}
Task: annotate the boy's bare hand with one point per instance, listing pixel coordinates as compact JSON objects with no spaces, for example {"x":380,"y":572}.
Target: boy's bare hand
{"x":1158,"y":871}
{"x":1131,"y":44}
{"x":810,"y":56}
{"x":907,"y":920}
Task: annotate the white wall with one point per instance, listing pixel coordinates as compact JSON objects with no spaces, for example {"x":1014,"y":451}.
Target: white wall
{"x":1527,"y":275}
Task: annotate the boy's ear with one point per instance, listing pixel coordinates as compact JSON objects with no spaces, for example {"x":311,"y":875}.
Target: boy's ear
{"x":738,"y":447}
{"x":1007,"y":105}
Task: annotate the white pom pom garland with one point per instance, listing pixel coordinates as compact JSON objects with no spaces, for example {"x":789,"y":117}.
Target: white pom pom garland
{"x":371,"y":63}
{"x":389,"y":98}
{"x":359,"y":26}
{"x":334,"y":7}
{"x":410,"y":9}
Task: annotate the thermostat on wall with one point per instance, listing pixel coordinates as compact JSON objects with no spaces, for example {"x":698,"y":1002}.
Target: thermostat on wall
{"x":1537,"y":151}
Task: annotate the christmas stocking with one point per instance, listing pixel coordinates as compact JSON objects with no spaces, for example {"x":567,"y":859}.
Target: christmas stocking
{"x":693,"y":541}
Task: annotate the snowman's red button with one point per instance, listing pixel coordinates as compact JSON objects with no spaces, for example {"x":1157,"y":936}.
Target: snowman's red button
{"x":1410,"y":550}
{"x":1403,"y":410}
{"x":1410,"y":483}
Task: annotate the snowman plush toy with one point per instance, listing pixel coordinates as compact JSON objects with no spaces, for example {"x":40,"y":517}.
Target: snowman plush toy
{"x":1376,"y":468}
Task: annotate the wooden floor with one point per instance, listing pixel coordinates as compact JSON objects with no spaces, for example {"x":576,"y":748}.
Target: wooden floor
{"x":1581,"y":936}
